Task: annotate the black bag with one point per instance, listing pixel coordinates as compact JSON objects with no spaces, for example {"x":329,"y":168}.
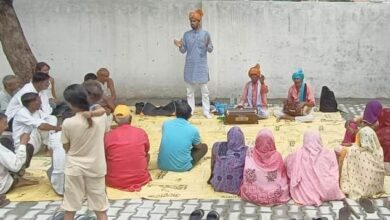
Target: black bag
{"x":152,"y":110}
{"x":328,"y":101}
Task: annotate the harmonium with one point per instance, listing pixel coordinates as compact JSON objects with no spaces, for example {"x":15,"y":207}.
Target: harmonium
{"x":241,"y":116}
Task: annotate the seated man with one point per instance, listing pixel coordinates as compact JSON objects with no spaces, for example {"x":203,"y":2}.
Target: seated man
{"x":97,"y":100}
{"x":13,"y":161}
{"x":27,"y":120}
{"x":254,"y":94}
{"x":180,"y":146}
{"x":90,"y":76}
{"x":39,"y":83}
{"x":301,"y":96}
{"x":127,"y":153}
{"x":11,"y":86}
{"x":103,"y":77}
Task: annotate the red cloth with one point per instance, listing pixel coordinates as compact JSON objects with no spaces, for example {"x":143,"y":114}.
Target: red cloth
{"x":126,"y":155}
{"x":383,"y":132}
{"x":254,"y":94}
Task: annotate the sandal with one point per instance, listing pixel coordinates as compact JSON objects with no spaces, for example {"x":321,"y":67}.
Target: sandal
{"x":197,"y":214}
{"x":344,"y":213}
{"x":213,"y":215}
{"x":367,"y":205}
{"x":4,"y":202}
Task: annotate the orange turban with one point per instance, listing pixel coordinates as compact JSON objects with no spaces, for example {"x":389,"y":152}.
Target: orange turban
{"x":197,"y":14}
{"x":254,"y":71}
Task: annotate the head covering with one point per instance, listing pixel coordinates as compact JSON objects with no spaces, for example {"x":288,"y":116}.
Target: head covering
{"x":383,"y":132}
{"x":264,"y":152}
{"x":313,"y":172}
{"x":228,"y":159}
{"x":265,"y":180}
{"x":299,"y":75}
{"x":122,"y":111}
{"x":372,"y":112}
{"x":235,"y":139}
{"x":362,"y":172}
{"x":367,"y":140}
{"x":197,"y":14}
{"x":254,"y":71}
{"x":384,"y":118}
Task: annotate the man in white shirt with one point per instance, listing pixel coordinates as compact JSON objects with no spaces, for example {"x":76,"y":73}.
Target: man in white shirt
{"x":12,"y":162}
{"x":27,"y":119}
{"x":11,"y":85}
{"x":39,"y":82}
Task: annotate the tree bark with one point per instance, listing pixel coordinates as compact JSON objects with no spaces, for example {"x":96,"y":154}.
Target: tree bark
{"x":14,"y":43}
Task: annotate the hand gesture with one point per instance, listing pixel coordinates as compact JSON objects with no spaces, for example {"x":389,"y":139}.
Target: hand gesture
{"x":87,"y":114}
{"x":178,"y":43}
{"x":262,"y":78}
{"x":24,"y":138}
{"x":207,"y":41}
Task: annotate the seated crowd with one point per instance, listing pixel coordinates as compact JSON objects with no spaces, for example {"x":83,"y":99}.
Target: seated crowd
{"x":89,"y":153}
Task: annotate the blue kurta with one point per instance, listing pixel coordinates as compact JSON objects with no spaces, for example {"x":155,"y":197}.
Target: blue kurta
{"x":194,"y":43}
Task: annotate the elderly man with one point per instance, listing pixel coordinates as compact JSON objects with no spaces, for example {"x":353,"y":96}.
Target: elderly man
{"x":196,"y":43}
{"x":180,"y":147}
{"x":300,"y":97}
{"x":127,"y":153}
{"x":11,"y":85}
{"x":254,"y":94}
{"x":13,"y":161}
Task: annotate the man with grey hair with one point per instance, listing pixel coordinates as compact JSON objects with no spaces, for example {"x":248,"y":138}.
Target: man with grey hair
{"x":11,"y":85}
{"x":127,"y":153}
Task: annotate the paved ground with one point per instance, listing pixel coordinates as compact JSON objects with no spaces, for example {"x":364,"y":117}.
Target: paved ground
{"x":228,"y":209}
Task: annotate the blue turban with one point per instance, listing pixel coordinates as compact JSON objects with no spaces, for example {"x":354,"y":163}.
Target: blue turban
{"x":299,"y":75}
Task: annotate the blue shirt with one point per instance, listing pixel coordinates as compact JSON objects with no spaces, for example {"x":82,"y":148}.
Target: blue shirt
{"x":196,"y":43}
{"x":178,"y":137}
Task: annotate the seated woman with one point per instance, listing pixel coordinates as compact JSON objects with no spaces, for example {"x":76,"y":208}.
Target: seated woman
{"x":370,"y":118}
{"x":265,"y":179}
{"x":362,"y":167}
{"x":227,"y":162}
{"x":313,"y":172}
{"x":254,"y":94}
{"x":301,"y":96}
{"x":383,"y":133}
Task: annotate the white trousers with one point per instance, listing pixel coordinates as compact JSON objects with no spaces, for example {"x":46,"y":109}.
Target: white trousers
{"x":52,"y":139}
{"x":205,"y":97}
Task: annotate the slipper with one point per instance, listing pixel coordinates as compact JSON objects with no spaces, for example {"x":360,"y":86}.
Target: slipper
{"x":58,"y":216}
{"x":344,"y":213}
{"x":4,"y":202}
{"x":367,"y":205}
{"x":213,"y":215}
{"x":197,"y":214}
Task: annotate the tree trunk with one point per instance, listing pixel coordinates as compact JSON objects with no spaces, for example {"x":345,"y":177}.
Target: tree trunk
{"x":14,"y":43}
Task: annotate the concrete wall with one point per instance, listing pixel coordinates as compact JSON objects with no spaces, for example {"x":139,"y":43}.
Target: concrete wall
{"x":343,"y":45}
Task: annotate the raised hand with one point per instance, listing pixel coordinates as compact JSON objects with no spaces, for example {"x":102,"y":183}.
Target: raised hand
{"x":178,"y":43}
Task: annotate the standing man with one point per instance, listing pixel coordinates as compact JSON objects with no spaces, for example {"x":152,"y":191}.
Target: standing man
{"x":196,"y":43}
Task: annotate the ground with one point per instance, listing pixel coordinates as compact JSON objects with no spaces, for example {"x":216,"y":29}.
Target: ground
{"x":228,"y":209}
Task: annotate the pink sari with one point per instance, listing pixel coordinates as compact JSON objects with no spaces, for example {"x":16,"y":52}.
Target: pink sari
{"x":265,"y":180}
{"x":313,"y":172}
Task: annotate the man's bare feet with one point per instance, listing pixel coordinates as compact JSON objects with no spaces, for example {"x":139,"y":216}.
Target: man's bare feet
{"x":25,"y":182}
